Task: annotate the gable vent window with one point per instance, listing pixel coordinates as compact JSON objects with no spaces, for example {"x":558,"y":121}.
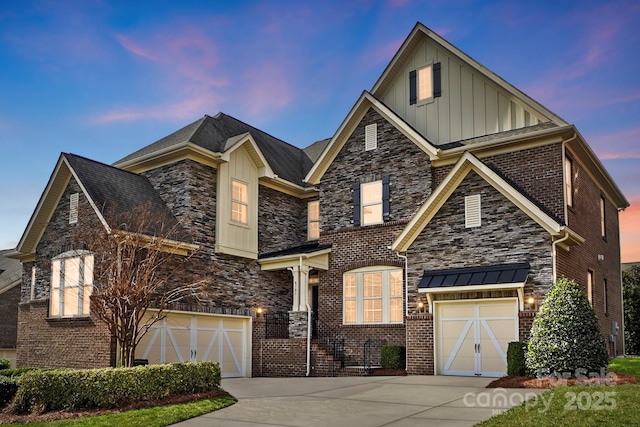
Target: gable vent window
{"x":371,"y":137}
{"x":472,"y":217}
{"x":73,"y":208}
{"x":425,"y":84}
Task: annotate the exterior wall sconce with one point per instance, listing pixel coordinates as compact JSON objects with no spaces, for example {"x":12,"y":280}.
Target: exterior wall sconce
{"x":420,"y":306}
{"x":531,"y":302}
{"x":259,"y":311}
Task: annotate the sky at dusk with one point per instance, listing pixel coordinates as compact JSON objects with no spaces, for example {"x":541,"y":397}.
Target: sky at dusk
{"x":102,"y":79}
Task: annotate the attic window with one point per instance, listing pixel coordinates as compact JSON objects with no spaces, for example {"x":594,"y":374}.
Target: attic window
{"x":472,"y":217}
{"x":239,"y":202}
{"x":371,"y":137}
{"x":73,"y":208}
{"x":425,"y":84}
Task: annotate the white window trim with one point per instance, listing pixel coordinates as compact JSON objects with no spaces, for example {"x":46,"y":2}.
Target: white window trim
{"x":590,"y":286}
{"x":313,"y":221}
{"x":240,"y":202}
{"x":386,"y":297}
{"x":84,"y":281}
{"x":363,"y":205}
{"x":568,"y":180}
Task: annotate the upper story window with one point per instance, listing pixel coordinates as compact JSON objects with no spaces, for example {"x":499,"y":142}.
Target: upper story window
{"x":372,"y":295}
{"x":425,"y":84}
{"x":568,"y":180}
{"x":590,"y":286}
{"x":313,"y":220}
{"x":603,"y":219}
{"x":71,"y":284}
{"x":239,"y":202}
{"x":371,"y":202}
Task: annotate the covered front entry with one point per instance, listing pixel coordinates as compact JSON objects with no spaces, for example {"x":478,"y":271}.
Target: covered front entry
{"x":183,"y":337}
{"x":472,"y":336}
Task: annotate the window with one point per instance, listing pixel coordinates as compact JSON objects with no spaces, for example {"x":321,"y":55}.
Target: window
{"x":71,"y":284}
{"x":472,"y":211}
{"x":239,"y":202}
{"x":425,"y":84}
{"x":371,"y":137}
{"x":568,"y":180}
{"x":590,"y":286}
{"x":313,"y":220}
{"x":373,"y":296}
{"x":603,"y":224}
{"x":73,"y":208}
{"x":371,"y":203}
{"x":33,"y":282}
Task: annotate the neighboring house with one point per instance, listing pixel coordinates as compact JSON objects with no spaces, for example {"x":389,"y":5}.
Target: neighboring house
{"x":436,"y":217}
{"x":10,"y":279}
{"x":628,"y":265}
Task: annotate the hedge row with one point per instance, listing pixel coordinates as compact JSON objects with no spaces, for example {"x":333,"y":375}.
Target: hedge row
{"x":393,"y":356}
{"x":8,"y":388}
{"x":72,"y":389}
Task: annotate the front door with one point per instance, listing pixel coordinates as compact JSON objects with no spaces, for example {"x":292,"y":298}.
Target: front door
{"x":473,"y":336}
{"x":314,"y":311}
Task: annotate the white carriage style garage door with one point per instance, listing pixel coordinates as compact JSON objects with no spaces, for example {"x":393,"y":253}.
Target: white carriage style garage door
{"x":182,"y":337}
{"x":472,"y":336}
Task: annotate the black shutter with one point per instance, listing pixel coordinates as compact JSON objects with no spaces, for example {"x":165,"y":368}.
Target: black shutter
{"x":356,"y":203}
{"x":413,"y":92}
{"x":385,"y":198}
{"x":437,"y":81}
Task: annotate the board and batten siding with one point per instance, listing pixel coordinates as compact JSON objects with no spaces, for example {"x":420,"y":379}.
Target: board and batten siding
{"x":231,"y":237}
{"x":471,"y":105}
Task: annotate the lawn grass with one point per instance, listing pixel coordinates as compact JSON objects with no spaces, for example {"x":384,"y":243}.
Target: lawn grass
{"x":149,"y":417}
{"x":580,"y":405}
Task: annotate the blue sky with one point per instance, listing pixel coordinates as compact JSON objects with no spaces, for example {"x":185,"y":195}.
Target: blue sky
{"x":104,"y":78}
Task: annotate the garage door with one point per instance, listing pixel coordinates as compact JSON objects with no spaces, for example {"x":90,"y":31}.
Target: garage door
{"x":183,"y":337}
{"x":473,"y":336}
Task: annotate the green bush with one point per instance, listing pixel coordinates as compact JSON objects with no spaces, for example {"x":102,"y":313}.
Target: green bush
{"x":8,"y":388}
{"x":565,"y":335}
{"x":70,"y":389}
{"x":4,"y":364}
{"x":516,"y":365}
{"x":16,"y":372}
{"x":393,"y":357}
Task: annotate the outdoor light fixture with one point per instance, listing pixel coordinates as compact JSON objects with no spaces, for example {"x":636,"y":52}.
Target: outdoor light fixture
{"x":420,"y":306}
{"x":259,"y":311}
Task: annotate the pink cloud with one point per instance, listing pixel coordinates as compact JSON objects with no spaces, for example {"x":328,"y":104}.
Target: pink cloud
{"x":134,"y":48}
{"x":398,"y":3}
{"x":381,"y":53}
{"x":268,"y":89}
{"x":623,"y":144}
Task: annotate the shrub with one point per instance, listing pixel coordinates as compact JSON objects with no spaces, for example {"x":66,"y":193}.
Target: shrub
{"x":393,"y":357}
{"x":4,"y":364}
{"x":8,"y":388}
{"x":565,"y":335}
{"x":69,"y":389}
{"x":516,"y":365}
{"x":16,"y":372}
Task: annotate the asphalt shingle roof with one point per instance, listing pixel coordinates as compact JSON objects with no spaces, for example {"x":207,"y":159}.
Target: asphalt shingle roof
{"x":116,"y":191}
{"x":10,"y":270}
{"x":212,"y":133}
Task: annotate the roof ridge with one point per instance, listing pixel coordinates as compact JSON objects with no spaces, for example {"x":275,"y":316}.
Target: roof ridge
{"x":100,"y":163}
{"x":221,"y":114}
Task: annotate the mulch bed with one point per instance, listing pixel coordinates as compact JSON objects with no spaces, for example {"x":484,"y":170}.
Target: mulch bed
{"x":550,"y":382}
{"x":61,"y":415}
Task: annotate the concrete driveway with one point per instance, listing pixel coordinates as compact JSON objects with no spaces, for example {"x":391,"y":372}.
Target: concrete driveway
{"x":361,"y":401}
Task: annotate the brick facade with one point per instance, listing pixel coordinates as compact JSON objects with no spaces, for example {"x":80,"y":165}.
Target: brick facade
{"x":9,"y":325}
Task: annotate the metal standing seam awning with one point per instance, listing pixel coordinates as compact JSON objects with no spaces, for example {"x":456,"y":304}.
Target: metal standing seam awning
{"x":494,"y":277}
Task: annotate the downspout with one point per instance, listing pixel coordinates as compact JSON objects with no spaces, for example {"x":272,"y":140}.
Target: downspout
{"x":406,"y":296}
{"x":554,"y":254}
{"x":308,"y":322}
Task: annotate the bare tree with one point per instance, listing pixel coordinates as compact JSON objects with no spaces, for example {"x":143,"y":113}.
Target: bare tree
{"x":141,"y":262}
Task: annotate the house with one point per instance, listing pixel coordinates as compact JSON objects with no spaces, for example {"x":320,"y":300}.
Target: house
{"x":436,"y":217}
{"x":10,"y":279}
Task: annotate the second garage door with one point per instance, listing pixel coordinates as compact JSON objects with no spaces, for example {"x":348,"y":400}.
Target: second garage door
{"x":472,"y":336}
{"x":183,"y":337}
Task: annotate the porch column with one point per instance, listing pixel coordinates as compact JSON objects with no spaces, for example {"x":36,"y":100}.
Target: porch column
{"x":295,"y":272}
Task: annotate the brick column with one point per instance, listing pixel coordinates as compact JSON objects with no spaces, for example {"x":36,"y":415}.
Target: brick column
{"x":420,"y":344}
{"x":257,"y":343}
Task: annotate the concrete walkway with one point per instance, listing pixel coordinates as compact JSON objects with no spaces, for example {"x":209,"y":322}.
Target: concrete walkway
{"x":361,"y":401}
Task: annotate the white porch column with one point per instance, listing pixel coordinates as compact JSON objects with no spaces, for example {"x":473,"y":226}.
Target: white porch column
{"x":304,"y":287}
{"x":295,"y":271}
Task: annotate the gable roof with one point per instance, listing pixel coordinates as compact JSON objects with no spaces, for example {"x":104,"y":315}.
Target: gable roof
{"x":216,"y":135}
{"x":467,"y":163}
{"x":107,"y":189}
{"x":362,"y":105}
{"x":10,"y":271}
{"x":420,"y":31}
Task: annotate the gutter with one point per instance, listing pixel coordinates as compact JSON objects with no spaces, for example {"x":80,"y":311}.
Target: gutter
{"x":554,"y":253}
{"x":306,"y":303}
